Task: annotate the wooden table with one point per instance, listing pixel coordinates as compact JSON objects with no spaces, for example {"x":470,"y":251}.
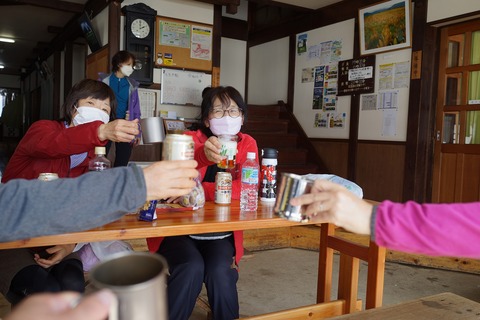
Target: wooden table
{"x":217,"y":218}
{"x":446,"y":306}
{"x":210,"y":218}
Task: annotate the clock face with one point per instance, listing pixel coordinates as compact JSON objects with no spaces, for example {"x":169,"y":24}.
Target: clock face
{"x":140,"y":28}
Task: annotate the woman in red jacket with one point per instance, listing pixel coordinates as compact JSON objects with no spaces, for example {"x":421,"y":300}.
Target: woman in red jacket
{"x":63,"y":147}
{"x":211,"y":258}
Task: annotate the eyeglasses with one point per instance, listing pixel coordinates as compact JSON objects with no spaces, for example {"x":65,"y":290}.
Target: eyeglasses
{"x":220,"y":113}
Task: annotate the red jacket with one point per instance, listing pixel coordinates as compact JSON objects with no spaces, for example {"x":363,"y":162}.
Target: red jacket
{"x":245,"y":144}
{"x":47,"y":146}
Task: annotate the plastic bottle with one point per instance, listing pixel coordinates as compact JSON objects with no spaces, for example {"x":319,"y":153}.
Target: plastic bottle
{"x":268,"y":187}
{"x":249,"y":189}
{"x":100,"y":162}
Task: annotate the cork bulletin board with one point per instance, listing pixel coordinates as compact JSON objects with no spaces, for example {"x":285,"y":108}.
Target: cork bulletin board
{"x":183,"y":44}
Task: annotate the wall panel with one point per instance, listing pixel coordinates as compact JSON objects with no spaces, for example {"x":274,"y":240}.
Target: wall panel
{"x":334,"y":155}
{"x":379,"y":170}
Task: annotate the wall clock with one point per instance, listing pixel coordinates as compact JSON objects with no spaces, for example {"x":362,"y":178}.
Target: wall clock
{"x":140,"y":28}
{"x":140,"y":39}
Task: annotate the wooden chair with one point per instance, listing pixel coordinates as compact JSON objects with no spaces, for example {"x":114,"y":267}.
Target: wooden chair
{"x":347,"y":297}
{"x":350,"y":255}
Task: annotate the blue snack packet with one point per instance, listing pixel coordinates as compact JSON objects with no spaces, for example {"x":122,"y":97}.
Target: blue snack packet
{"x":147,"y":212}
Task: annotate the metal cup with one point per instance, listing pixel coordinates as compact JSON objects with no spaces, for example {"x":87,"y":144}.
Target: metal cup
{"x":138,"y":279}
{"x":291,"y":186}
{"x":152,"y":130}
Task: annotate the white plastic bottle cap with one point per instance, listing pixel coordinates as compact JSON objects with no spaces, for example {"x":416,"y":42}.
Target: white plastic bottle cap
{"x":251,"y":155}
{"x":100,"y":150}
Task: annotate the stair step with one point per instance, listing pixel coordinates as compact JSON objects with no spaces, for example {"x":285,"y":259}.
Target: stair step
{"x":273,"y":126}
{"x":262,"y":112}
{"x":269,"y":140}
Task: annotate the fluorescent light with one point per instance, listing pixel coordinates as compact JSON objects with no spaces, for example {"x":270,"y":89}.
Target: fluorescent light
{"x":7,"y":40}
{"x":2,"y":66}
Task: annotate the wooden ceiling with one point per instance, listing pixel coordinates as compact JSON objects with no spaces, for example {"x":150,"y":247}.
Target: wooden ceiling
{"x":42,"y":26}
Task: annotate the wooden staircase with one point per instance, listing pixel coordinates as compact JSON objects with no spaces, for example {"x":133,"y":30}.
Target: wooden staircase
{"x":273,"y":126}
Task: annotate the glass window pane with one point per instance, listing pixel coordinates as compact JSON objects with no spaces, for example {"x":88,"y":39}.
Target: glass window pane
{"x":450,"y":128}
{"x":455,"y":50}
{"x":475,"y":47}
{"x":474,"y":87}
{"x":472,"y":129}
{"x":453,"y":89}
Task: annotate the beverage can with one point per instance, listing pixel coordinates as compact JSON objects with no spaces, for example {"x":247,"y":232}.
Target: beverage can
{"x":147,"y":212}
{"x":178,"y":147}
{"x":223,"y":188}
{"x":47,"y":176}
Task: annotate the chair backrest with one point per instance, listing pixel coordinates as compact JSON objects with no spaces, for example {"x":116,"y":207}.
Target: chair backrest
{"x":350,"y":255}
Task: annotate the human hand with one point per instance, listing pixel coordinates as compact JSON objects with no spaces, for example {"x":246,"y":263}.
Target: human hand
{"x":212,"y":148}
{"x":57,"y":253}
{"x":170,"y":179}
{"x":119,"y":130}
{"x":62,"y":306}
{"x":331,"y":202}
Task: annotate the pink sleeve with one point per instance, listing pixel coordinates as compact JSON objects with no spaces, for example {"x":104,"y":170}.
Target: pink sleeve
{"x":432,"y":229}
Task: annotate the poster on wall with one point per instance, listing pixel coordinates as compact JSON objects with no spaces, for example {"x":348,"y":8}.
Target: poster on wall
{"x":330,"y":120}
{"x":356,"y":76}
{"x":318,"y":87}
{"x":201,"y":43}
{"x":302,"y":44}
{"x":175,"y":34}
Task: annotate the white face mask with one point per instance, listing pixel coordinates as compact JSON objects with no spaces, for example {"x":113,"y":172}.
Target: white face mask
{"x":225,"y":125}
{"x":126,"y":70}
{"x":90,"y":114}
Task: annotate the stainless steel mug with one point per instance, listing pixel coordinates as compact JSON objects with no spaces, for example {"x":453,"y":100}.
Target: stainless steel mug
{"x":138,"y":279}
{"x":291,"y":186}
{"x":152,"y":130}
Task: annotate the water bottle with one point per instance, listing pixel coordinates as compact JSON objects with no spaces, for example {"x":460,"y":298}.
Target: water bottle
{"x":269,"y":175}
{"x":100,"y":162}
{"x":249,"y":189}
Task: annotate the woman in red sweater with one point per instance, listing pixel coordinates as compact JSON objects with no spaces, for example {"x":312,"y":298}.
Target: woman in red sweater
{"x":211,"y":258}
{"x":64,"y":147}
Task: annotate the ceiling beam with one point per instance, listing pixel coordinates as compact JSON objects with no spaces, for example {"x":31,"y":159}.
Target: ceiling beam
{"x":231,"y":5}
{"x":53,"y":4}
{"x":270,"y":3}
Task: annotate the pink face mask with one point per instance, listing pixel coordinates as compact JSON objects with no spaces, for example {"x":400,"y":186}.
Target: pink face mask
{"x":225,"y":125}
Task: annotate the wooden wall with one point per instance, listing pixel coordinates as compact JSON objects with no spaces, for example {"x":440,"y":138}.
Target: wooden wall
{"x":334,"y":155}
{"x":380,"y":169}
{"x":379,"y":166}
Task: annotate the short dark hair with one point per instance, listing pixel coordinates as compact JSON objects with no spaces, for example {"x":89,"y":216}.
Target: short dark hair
{"x":87,"y":88}
{"x":224,"y":94}
{"x":121,"y":57}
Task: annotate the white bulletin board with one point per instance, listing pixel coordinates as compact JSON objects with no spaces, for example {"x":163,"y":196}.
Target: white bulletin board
{"x":183,"y":87}
{"x":302,"y":103}
{"x":386,"y":117}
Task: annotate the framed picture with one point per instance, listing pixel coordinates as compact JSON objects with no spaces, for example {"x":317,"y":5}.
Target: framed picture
{"x":174,"y":126}
{"x":385,"y":26}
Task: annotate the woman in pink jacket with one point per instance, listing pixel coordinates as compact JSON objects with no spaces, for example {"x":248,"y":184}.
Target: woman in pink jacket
{"x":451,"y":229}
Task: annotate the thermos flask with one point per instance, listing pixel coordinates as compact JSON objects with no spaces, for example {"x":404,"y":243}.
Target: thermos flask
{"x":269,"y":175}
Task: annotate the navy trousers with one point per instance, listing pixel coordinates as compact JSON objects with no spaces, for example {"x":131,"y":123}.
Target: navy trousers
{"x":123,"y":151}
{"x":67,"y":275}
{"x":194,"y":262}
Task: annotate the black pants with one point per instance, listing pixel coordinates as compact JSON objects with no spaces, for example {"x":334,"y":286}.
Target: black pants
{"x":194,"y":262}
{"x":67,"y":275}
{"x":123,"y":151}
